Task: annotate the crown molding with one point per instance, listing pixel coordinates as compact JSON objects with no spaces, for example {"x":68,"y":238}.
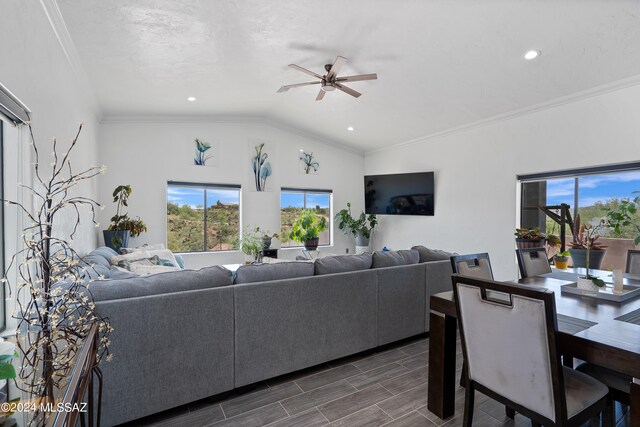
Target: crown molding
{"x":221,"y":119}
{"x":548,"y":105}
{"x":54,"y":16}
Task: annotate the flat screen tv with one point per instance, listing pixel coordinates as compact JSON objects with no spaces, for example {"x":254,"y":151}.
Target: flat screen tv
{"x":399,"y":194}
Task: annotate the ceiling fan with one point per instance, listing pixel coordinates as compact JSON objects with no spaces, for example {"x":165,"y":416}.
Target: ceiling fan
{"x":330,"y":81}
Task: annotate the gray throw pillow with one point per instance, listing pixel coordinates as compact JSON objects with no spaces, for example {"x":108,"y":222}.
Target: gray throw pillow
{"x":427,"y":255}
{"x":342,"y":263}
{"x":252,"y":273}
{"x":394,"y":258}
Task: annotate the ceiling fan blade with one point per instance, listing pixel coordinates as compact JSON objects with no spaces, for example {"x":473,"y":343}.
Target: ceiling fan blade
{"x":304,"y":70}
{"x":357,"y":78}
{"x":348,"y":90}
{"x":320,"y":95}
{"x":335,"y":68}
{"x":287,"y":87}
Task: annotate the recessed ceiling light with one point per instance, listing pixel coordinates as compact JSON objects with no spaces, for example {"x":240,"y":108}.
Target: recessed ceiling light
{"x":532,"y":54}
{"x":350,"y":128}
{"x":191,"y":98}
{"x":301,"y":150}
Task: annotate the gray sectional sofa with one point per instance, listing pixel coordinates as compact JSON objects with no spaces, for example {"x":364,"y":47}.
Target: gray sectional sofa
{"x":187,"y":335}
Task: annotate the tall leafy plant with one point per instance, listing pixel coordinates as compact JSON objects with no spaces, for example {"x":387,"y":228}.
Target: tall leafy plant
{"x":308,"y":226}
{"x":53,"y":299}
{"x":363,"y":225}
{"x":122,"y":221}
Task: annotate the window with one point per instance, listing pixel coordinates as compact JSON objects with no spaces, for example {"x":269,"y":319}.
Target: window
{"x":202,"y":217}
{"x":293,"y":202}
{"x":2,"y":306}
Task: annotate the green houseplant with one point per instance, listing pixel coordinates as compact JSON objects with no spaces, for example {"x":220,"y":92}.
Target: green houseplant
{"x":251,"y":243}
{"x":561,"y":259}
{"x":122,"y":226}
{"x":307,"y":228}
{"x":361,"y":228}
{"x":266,"y":236}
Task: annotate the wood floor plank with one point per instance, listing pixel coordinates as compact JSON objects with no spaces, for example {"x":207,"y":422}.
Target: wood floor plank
{"x":420,"y":360}
{"x":257,"y":399}
{"x":406,"y":402}
{"x":327,"y":377}
{"x":412,"y":419}
{"x":312,"y":418}
{"x":371,"y":416}
{"x":318,"y":396}
{"x":418,"y":347}
{"x":256,"y":418}
{"x":354,"y":402}
{"x":201,"y":417}
{"x":406,"y":381}
{"x":380,"y":359}
{"x":380,"y":374}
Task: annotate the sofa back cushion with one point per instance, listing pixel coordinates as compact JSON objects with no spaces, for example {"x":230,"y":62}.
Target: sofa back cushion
{"x":428,"y":255}
{"x":394,"y":258}
{"x":162,"y":283}
{"x":342,"y":263}
{"x":277,"y":271}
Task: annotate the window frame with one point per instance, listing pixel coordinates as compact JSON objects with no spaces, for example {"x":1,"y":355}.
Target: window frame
{"x":305,"y":191}
{"x":3,"y":322}
{"x":204,"y":187}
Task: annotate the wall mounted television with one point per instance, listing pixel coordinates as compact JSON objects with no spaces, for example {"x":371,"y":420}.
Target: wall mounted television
{"x":399,"y":194}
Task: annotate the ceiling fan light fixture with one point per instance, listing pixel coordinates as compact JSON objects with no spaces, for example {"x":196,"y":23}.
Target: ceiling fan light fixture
{"x":328,"y":87}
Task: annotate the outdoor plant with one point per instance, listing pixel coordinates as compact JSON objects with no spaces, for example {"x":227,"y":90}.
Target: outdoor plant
{"x":201,"y":156}
{"x":261,"y":168}
{"x":309,"y":163}
{"x":122,"y":222}
{"x":623,"y":216}
{"x":308,"y":226}
{"x":364,"y":225}
{"x":53,"y":301}
{"x":530,"y":234}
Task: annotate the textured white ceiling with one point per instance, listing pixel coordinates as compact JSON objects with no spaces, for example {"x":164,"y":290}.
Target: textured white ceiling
{"x":440,"y":64}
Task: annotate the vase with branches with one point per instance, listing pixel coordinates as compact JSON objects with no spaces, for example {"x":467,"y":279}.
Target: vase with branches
{"x":54,"y":307}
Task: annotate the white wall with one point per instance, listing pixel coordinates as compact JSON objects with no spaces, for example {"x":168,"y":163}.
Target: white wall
{"x":147,"y":155}
{"x":475,"y":171}
{"x":34,"y":67}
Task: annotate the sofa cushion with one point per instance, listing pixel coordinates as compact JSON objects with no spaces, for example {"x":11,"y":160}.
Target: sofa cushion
{"x":394,"y":258}
{"x":277,"y":271}
{"x":100,"y":256}
{"x":162,"y":283}
{"x":342,"y":263}
{"x":427,"y":255}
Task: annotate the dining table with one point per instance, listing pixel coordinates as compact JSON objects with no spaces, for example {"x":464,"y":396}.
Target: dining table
{"x":591,"y":328}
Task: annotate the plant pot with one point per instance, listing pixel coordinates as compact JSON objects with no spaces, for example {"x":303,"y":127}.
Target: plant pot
{"x":561,"y":262}
{"x":116,"y":239}
{"x":267,"y":242}
{"x":361,"y":240}
{"x":579,"y":257}
{"x":587,"y":285}
{"x":526,"y":243}
{"x":312,"y":244}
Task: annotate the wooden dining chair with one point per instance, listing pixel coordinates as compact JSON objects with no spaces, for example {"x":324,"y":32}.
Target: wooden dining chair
{"x":528,"y":376}
{"x":633,"y":262}
{"x":472,"y":265}
{"x":532,"y":262}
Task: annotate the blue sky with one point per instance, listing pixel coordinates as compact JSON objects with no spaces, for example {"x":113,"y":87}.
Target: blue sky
{"x":593,"y":188}
{"x":296,"y":200}
{"x":195,"y":197}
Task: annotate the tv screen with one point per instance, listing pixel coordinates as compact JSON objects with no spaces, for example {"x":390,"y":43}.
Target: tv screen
{"x":399,"y":194}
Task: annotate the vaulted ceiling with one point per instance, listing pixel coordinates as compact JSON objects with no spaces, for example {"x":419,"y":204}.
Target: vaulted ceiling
{"x":441,"y":64}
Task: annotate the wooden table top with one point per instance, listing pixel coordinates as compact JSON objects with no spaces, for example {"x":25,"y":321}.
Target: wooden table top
{"x":623,"y":336}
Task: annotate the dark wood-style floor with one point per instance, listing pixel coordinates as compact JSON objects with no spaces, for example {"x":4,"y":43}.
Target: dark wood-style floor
{"x":387,"y":388}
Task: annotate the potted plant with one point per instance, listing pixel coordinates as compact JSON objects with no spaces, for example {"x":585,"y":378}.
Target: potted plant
{"x":530,"y":238}
{"x":361,"y":228}
{"x":252,"y":244}
{"x":585,"y":250}
{"x":266,"y":236}
{"x":624,"y":217}
{"x":306,"y":229}
{"x":561,"y":259}
{"x":122,"y":226}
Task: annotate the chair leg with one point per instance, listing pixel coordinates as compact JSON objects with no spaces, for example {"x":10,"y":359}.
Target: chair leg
{"x":535,"y":424}
{"x":511,"y":413}
{"x":609,"y":414}
{"x":469,"y":392}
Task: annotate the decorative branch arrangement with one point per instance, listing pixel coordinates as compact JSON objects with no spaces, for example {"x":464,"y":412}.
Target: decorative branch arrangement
{"x":309,"y":163}
{"x":261,"y":168}
{"x":201,"y":148}
{"x":54,"y":303}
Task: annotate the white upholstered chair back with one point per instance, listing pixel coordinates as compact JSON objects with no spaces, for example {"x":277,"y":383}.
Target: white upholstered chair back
{"x":474,"y":265}
{"x":507,"y":347}
{"x":533,"y":262}
{"x":633,"y":262}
